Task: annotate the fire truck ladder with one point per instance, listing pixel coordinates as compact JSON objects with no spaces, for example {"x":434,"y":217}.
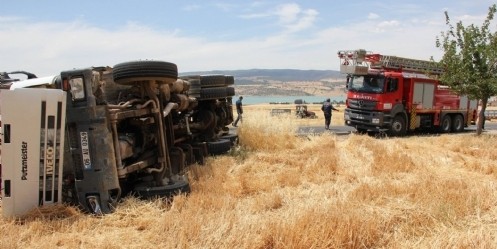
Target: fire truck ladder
{"x":355,"y":61}
{"x":404,"y":64}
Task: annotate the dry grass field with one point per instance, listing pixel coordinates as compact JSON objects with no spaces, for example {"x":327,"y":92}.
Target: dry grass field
{"x":276,"y":190}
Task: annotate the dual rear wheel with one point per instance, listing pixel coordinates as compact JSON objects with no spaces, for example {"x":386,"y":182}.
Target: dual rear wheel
{"x":451,"y":123}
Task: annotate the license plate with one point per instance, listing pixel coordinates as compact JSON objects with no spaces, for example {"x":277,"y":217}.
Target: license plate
{"x":85,"y":150}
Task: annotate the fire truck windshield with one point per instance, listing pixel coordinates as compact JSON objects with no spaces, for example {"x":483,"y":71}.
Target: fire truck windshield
{"x":366,"y":83}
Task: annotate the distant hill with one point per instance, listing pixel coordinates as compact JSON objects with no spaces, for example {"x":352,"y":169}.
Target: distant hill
{"x":258,"y":75}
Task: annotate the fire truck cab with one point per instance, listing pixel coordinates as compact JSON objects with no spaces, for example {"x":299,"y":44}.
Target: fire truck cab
{"x":397,"y":95}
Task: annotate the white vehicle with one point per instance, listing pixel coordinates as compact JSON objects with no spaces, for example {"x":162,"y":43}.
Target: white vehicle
{"x":89,"y":136}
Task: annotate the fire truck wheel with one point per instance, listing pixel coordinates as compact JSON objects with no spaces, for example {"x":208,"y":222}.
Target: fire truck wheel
{"x":398,"y":127}
{"x":446,"y":124}
{"x":167,"y":191}
{"x":458,"y":124}
{"x":128,"y":73}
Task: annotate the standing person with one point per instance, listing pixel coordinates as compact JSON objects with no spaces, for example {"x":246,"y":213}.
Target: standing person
{"x":327,"y":108}
{"x":239,"y":111}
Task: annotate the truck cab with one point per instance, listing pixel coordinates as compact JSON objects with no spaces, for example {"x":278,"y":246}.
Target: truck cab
{"x":373,"y":100}
{"x":56,"y":132}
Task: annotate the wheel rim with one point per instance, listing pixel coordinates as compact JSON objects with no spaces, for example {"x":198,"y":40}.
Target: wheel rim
{"x":397,"y":126}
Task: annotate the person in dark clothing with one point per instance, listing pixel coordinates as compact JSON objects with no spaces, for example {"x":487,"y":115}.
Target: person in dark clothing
{"x":327,"y":108}
{"x":239,"y":111}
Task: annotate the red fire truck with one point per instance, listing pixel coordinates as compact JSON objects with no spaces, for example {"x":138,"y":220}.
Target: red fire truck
{"x":397,"y":95}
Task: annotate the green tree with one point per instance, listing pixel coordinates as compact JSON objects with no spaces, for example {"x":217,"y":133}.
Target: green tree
{"x":470,"y":60}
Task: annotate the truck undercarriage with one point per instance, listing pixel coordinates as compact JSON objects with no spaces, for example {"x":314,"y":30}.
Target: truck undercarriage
{"x":133,"y":129}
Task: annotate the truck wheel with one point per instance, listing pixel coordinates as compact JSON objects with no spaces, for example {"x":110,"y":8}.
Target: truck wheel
{"x":230,"y":80}
{"x":230,"y":91}
{"x":167,"y":191}
{"x":446,"y":124}
{"x":398,"y":127}
{"x":213,"y":93}
{"x":458,"y":124}
{"x":219,"y":147}
{"x":207,"y":81}
{"x":232,"y":137}
{"x":127,"y":73}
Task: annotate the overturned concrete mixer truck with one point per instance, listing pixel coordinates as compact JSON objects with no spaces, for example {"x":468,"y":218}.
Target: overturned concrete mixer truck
{"x":90,"y":136}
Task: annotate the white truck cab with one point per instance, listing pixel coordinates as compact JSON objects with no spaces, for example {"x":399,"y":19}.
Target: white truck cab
{"x":33,"y":138}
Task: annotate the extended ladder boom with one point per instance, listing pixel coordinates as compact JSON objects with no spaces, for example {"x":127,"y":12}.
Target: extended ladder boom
{"x":355,"y":62}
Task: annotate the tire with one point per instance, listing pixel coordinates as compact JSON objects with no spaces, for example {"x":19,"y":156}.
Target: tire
{"x":458,"y":123}
{"x":218,"y":147}
{"x":127,"y":73}
{"x":207,"y":81}
{"x":398,"y":127}
{"x":230,"y":80}
{"x":232,"y":137}
{"x":213,"y":93}
{"x":167,"y":191}
{"x":230,"y":91}
{"x":446,"y":124}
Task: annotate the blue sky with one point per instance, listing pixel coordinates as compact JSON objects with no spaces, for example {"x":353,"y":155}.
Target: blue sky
{"x":46,"y":37}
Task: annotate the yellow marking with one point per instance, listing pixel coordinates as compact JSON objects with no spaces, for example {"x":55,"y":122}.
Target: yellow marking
{"x":412,"y":125}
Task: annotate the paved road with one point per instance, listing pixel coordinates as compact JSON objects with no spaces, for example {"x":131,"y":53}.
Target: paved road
{"x":345,"y":130}
{"x":315,"y":130}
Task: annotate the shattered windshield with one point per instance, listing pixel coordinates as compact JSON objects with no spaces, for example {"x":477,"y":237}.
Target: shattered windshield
{"x":367,"y":83}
